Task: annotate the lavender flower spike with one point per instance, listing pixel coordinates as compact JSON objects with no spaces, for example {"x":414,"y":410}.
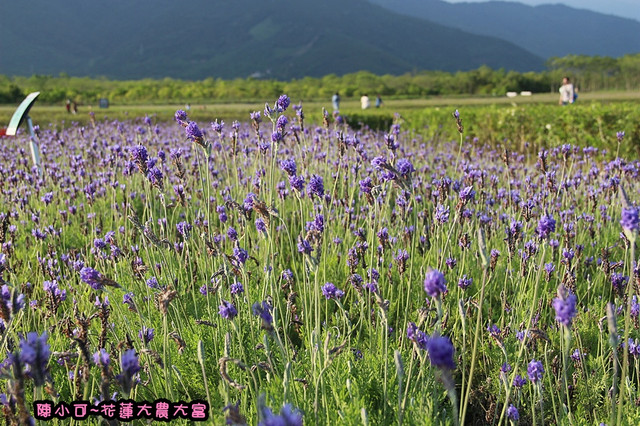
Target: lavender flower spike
{"x":435,"y":283}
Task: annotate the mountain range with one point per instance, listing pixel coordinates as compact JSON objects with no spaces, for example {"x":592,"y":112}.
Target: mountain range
{"x":546,"y":30}
{"x":284,"y":39}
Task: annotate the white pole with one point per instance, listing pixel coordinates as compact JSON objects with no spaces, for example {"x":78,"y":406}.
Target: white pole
{"x":35,"y":150}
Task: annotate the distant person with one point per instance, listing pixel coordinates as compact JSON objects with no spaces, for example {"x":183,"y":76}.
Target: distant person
{"x":187,"y":107}
{"x":378,"y":101}
{"x":567,"y":94}
{"x":335,"y":100}
{"x":68,"y":106}
{"x":364,"y":101}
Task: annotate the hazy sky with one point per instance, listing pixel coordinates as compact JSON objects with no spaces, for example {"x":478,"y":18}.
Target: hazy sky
{"x":624,"y":8}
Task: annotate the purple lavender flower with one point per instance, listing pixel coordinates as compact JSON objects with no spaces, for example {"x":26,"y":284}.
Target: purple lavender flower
{"x":296,"y":183}
{"x":289,"y":166}
{"x":467,"y":194}
{"x":549,"y":268}
{"x":465,"y":282}
{"x":155,"y":177}
{"x":47,"y":198}
{"x":575,"y":355}
{"x":535,"y":370}
{"x":277,"y":136}
{"x":283,"y":103}
{"x":288,"y":416}
{"x":373,"y":274}
{"x":101,"y":358}
{"x":441,"y":214}
{"x":184,"y":228}
{"x":546,"y":226}
{"x":130,"y":366}
{"x":630,"y":220}
{"x":255,"y":116}
{"x":263,"y":310}
{"x":317,"y":224}
{"x":227,"y":310}
{"x":180,"y":116}
{"x":512,"y":413}
{"x":441,"y":352}
{"x":101,"y":305}
{"x":401,"y":259}
{"x":140,"y":157}
{"x":249,"y":201}
{"x":634,"y":348}
{"x":92,"y":277}
{"x":35,"y":353}
{"x":390,"y":141}
{"x":236,"y":288}
{"x":415,"y":335}
{"x":52,"y":287}
{"x":218,"y":126}
{"x":379,"y":162}
{"x":366,"y":185}
{"x":261,"y":226}
{"x":287,"y":275}
{"x":240,"y":254}
{"x":618,"y":281}
{"x":404,"y":167}
{"x":434,"y":283}
{"x":620,"y":135}
{"x":565,"y":306}
{"x":222,"y":213}
{"x":127,"y":299}
{"x":304,"y":247}
{"x":494,"y":331}
{"x":193,"y":132}
{"x":153,"y":283}
{"x":146,"y":334}
{"x":568,"y":254}
{"x":281,"y":123}
{"x":316,"y":186}
{"x":330,"y":291}
{"x":232,"y":234}
{"x":519,"y":381}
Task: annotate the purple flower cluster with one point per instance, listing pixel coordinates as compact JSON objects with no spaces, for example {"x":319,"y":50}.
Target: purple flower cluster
{"x":630,"y":219}
{"x":565,"y":306}
{"x":35,"y":353}
{"x":92,"y":277}
{"x":435,"y":283}
{"x":263,"y":310}
{"x":441,"y":352}
{"x":130,"y":366}
{"x":316,"y":186}
{"x":227,"y":310}
{"x":288,"y":416}
{"x":535,"y":370}
{"x":330,"y":291}
{"x":546,"y":226}
{"x":440,"y":348}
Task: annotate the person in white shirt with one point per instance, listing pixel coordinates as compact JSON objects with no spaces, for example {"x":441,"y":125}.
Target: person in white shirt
{"x":364,"y":102}
{"x":566,"y":92}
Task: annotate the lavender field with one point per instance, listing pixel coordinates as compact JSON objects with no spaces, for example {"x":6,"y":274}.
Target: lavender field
{"x":280,"y":272}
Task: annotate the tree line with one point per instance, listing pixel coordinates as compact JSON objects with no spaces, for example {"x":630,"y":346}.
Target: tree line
{"x":589,"y":73}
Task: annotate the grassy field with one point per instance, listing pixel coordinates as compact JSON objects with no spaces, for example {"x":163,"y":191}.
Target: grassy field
{"x":240,"y":111}
{"x":277,"y":272}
